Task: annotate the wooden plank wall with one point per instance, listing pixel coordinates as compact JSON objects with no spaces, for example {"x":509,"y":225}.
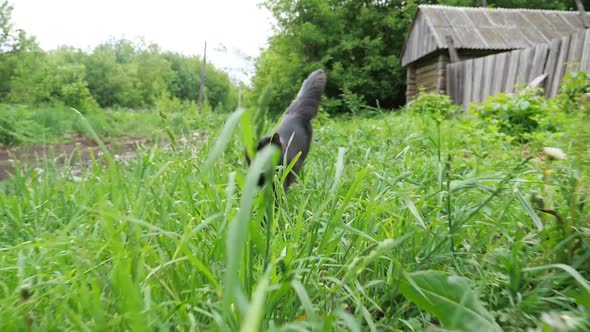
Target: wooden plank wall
{"x":429,"y":74}
{"x":474,"y":80}
{"x":411,"y":89}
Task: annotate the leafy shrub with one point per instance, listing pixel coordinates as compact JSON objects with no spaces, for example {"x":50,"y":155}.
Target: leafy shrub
{"x":516,"y":114}
{"x":573,"y":88}
{"x":353,"y":101}
{"x":575,"y":84}
{"x":584,"y":103}
{"x":15,"y":126}
{"x":173,"y":104}
{"x":8,"y":134}
{"x":437,"y":106}
{"x":68,"y":86}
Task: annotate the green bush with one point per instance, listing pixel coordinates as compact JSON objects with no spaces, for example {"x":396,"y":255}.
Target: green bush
{"x":516,"y":114}
{"x":354,"y":102}
{"x":574,"y":86}
{"x":171,"y":104}
{"x":16,"y":127}
{"x":437,"y":106}
{"x":584,"y":103}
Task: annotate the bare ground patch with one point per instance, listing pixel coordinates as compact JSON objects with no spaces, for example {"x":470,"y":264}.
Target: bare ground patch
{"x":84,"y":149}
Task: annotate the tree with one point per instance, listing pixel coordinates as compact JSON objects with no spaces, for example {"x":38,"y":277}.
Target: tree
{"x":185,"y":81}
{"x":6,"y":27}
{"x":13,"y":45}
{"x":355,"y":41}
{"x":116,"y":73}
{"x":154,"y":74}
{"x":221,"y":94}
{"x":110,"y":82}
{"x":67,"y":78}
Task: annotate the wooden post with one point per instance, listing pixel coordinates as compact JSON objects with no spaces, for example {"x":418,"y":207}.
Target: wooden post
{"x":453,"y":55}
{"x":582,"y":12}
{"x":203,"y":76}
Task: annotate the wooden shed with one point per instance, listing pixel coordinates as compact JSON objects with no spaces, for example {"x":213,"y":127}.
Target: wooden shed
{"x":440,"y":35}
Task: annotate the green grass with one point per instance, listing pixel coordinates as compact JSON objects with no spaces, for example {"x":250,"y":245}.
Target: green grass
{"x":386,"y":210}
{"x":23,"y":124}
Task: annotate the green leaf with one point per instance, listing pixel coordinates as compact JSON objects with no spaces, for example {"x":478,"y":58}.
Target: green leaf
{"x":414,"y":210}
{"x":528,"y":209}
{"x":570,"y":270}
{"x":450,"y":298}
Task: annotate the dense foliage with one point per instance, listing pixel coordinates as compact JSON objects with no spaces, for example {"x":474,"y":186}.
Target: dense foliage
{"x":117,"y":73}
{"x":575,"y":89}
{"x":358,"y":42}
{"x":515,"y":114}
{"x":380,"y":233}
{"x":438,"y":106}
{"x":518,"y":116}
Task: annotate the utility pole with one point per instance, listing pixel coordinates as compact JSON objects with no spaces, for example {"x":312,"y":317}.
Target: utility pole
{"x":203,"y":76}
{"x":239,"y":94}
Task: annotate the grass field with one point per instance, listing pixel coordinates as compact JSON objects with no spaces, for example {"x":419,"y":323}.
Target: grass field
{"x":396,"y":224}
{"x":21,"y":124}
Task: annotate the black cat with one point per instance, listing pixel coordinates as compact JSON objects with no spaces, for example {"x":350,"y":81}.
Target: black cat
{"x":295,"y":132}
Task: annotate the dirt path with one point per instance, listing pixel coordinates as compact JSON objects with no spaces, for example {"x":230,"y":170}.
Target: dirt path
{"x":124,"y":146}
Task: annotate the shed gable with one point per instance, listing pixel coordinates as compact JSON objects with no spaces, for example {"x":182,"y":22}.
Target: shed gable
{"x":485,"y":29}
{"x":420,"y":42}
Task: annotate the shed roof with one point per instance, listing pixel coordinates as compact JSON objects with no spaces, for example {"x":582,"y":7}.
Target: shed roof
{"x":485,"y":28}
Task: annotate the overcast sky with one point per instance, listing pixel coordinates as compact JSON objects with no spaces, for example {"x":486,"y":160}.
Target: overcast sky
{"x":177,"y":25}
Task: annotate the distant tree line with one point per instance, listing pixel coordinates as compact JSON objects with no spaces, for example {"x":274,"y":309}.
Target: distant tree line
{"x":118,"y":73}
{"x":357,"y":42}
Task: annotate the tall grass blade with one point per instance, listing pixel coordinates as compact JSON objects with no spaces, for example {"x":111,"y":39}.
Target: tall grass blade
{"x":253,"y":318}
{"x":339,"y":169}
{"x":97,"y":139}
{"x":238,"y":228}
{"x":568,"y":269}
{"x":223,"y":138}
{"x":529,"y":209}
{"x":412,"y":207}
{"x":304,"y":299}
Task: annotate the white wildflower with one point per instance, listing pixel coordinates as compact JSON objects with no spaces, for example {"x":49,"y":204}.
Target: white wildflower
{"x":554,"y":153}
{"x":38,"y":171}
{"x":560,"y":322}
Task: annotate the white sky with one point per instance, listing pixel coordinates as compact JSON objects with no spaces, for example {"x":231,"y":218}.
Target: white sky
{"x":239,"y":26}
